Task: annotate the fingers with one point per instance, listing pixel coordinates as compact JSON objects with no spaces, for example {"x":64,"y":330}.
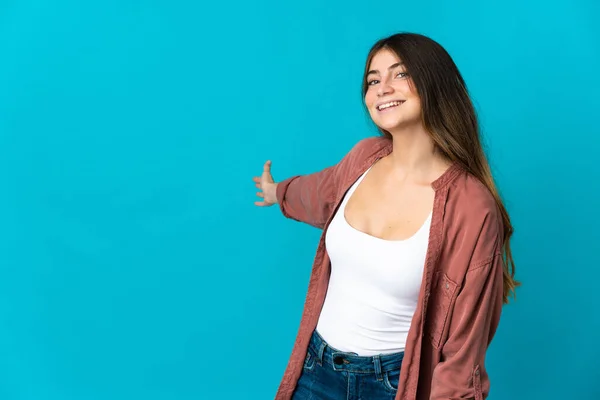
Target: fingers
{"x":258,"y":183}
{"x":267,"y":171}
{"x":267,"y":167}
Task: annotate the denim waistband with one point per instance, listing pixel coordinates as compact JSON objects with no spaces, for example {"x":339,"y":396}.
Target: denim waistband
{"x":351,"y":362}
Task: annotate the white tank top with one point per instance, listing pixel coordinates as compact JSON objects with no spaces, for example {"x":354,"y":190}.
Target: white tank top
{"x":373,"y":288}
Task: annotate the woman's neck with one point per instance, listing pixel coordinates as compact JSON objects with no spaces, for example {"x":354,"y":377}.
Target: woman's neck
{"x":414,"y":156}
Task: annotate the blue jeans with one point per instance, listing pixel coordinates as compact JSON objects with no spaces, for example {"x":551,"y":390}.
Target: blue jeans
{"x":330,"y":374}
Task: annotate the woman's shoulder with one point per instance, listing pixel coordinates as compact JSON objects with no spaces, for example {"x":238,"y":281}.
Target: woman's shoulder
{"x":471,"y":199}
{"x":368,"y":146}
{"x":473,"y":215}
{"x":469,"y":189}
{"x":372,"y":143}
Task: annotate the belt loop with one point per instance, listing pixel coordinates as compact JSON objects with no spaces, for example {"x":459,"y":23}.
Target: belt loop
{"x":377,"y":362}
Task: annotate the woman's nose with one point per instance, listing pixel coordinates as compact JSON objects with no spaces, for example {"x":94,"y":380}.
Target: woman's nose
{"x":384,"y":88}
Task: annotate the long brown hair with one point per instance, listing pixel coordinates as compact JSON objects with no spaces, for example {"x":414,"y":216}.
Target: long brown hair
{"x":449,"y":116}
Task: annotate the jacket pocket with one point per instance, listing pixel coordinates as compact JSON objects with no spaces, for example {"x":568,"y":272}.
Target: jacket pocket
{"x":443,"y":291}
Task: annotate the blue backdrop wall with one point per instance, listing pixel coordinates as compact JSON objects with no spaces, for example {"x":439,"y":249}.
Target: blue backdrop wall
{"x":133,"y":263}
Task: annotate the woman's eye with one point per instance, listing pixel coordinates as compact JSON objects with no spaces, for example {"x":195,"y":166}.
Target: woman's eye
{"x":373,"y":82}
{"x":401,"y":74}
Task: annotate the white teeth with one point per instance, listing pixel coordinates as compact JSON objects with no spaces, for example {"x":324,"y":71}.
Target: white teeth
{"x":388,"y":105}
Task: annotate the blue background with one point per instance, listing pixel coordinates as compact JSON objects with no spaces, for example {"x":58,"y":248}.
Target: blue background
{"x":133,"y":263}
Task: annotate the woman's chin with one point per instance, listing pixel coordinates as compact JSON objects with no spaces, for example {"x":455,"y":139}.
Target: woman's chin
{"x":397,"y":124}
{"x":389,"y":126}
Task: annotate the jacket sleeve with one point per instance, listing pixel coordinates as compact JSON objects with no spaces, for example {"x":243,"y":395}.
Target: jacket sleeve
{"x":461,"y":373}
{"x":308,"y":198}
{"x":311,"y":198}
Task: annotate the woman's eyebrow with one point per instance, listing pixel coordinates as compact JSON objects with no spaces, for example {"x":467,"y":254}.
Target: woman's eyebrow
{"x":374,"y":71}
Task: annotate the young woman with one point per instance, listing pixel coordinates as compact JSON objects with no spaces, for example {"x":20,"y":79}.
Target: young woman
{"x":414,"y":262}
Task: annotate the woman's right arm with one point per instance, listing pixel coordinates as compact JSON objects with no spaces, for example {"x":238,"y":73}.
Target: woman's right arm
{"x":311,"y":198}
{"x":305,"y":198}
{"x":308,"y":198}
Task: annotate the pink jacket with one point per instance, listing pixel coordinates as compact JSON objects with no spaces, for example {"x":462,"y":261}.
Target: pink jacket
{"x":460,"y":300}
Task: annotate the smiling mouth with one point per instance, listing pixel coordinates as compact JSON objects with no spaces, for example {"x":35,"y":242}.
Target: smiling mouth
{"x":388,"y":105}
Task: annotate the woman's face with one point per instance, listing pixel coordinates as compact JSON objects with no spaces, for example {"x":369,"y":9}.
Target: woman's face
{"x":390,"y":98}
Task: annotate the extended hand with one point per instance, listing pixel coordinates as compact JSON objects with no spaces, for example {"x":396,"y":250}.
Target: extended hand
{"x":267,"y":186}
